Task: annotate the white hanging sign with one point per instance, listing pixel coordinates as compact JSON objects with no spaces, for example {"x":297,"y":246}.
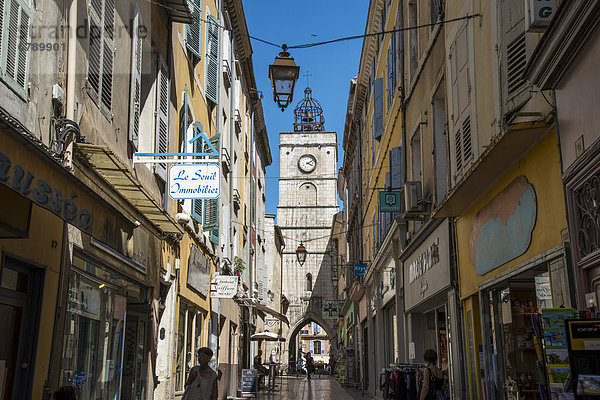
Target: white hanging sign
{"x":194,"y":181}
{"x":224,"y":287}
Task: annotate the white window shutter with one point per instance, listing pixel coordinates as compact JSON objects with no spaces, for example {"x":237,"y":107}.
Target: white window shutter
{"x":15,"y":31}
{"x":212,"y":59}
{"x":193,"y":30}
{"x":136,"y":81}
{"x":101,"y":52}
{"x":162,"y":115}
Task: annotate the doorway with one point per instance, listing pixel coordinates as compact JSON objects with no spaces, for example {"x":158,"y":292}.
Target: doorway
{"x":134,"y":363}
{"x":20,"y":296}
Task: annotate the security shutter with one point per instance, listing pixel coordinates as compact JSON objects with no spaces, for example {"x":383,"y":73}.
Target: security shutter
{"x":378,"y":110}
{"x":197,"y":204}
{"x":212,"y":59}
{"x":162,"y":115}
{"x":15,"y":28}
{"x":136,"y":81}
{"x":193,"y":30}
{"x":461,"y":103}
{"x":101,"y":52}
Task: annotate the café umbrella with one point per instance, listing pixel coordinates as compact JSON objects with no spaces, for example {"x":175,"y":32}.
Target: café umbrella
{"x":268,"y":336}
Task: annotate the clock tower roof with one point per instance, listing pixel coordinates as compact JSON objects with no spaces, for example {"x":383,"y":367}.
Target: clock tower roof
{"x":308,"y":114}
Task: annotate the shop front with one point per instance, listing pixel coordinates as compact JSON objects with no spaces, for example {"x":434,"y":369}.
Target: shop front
{"x":79,"y":278}
{"x":512,"y":269}
{"x":429,"y":299}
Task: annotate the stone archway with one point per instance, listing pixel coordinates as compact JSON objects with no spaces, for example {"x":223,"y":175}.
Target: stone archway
{"x":329,"y":326}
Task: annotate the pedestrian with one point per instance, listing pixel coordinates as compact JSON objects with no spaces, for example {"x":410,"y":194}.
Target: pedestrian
{"x":201,"y":383}
{"x":310,"y":366}
{"x":65,"y":393}
{"x":291,"y":363}
{"x":433,"y":378}
{"x":299,"y":364}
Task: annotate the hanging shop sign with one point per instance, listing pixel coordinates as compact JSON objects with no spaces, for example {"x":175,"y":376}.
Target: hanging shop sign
{"x":194,"y":181}
{"x":224,"y":286}
{"x":390,"y":201}
{"x":331,"y":310}
{"x":427,"y":269}
{"x":360,"y":269}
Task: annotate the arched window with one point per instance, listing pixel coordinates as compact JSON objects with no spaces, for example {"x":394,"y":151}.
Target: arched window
{"x":307,"y":195}
{"x":309,"y":282}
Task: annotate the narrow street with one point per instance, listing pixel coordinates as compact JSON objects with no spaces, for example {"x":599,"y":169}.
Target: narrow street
{"x":323,"y":387}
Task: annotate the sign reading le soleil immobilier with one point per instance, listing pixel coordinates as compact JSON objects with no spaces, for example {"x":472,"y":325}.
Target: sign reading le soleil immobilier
{"x":194,"y":181}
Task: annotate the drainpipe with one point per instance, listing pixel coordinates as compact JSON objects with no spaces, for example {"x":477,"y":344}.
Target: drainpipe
{"x":251,"y":221}
{"x":71,"y":71}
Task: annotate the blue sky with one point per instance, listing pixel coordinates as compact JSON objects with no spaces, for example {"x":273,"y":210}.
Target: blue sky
{"x":332,"y":66}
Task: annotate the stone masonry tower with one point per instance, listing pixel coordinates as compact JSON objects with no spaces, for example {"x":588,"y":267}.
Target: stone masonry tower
{"x":307,"y":205}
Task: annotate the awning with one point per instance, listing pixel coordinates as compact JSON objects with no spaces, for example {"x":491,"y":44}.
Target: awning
{"x":510,"y":147}
{"x":179,"y":11}
{"x":263,"y":308}
{"x":106,"y":164}
{"x":267,"y":336}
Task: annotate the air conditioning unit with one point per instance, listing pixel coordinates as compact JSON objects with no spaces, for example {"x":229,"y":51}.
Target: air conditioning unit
{"x":413,"y":206}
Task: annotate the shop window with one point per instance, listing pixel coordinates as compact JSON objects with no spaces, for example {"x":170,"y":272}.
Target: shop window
{"x":513,"y":311}
{"x":189,"y":340}
{"x":98,"y":359}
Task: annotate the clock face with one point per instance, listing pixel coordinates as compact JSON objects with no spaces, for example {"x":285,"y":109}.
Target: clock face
{"x":307,"y":163}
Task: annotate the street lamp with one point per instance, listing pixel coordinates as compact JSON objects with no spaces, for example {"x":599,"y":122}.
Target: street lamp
{"x":301,"y":254}
{"x":283,"y":74}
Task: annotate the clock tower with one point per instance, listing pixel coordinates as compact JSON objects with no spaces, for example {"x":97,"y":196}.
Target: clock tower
{"x":308,"y":202}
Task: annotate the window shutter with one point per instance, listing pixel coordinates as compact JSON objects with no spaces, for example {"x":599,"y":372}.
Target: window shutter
{"x":212,"y":59}
{"x":193,"y":30}
{"x":108,"y":54}
{"x":396,"y":168}
{"x":136,"y":81}
{"x":378,"y":113}
{"x":312,"y":346}
{"x":15,"y":28}
{"x":389,"y":73}
{"x":197,"y":148}
{"x":322,"y":347}
{"x":101,"y":52}
{"x":211,"y":206}
{"x":461,"y":102}
{"x":162,"y":115}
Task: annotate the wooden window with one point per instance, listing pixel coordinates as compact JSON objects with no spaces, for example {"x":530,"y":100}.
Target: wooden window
{"x":193,"y":31}
{"x":161,"y":144}
{"x":213,"y":31}
{"x":15,"y":32}
{"x":135,"y":94}
{"x":101,"y":53}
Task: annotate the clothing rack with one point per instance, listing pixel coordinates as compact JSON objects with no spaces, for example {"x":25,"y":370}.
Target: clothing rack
{"x":401,"y":381}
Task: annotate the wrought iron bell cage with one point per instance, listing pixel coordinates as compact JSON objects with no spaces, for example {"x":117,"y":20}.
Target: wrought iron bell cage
{"x":308,"y":114}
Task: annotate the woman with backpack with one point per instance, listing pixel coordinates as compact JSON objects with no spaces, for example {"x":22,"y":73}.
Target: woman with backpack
{"x":433,"y":378}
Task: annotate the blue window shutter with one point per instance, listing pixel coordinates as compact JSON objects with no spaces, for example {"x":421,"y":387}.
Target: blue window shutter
{"x":193,"y":30}
{"x":213,"y":33}
{"x":322,"y":347}
{"x":378,"y":110}
{"x":396,"y":168}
